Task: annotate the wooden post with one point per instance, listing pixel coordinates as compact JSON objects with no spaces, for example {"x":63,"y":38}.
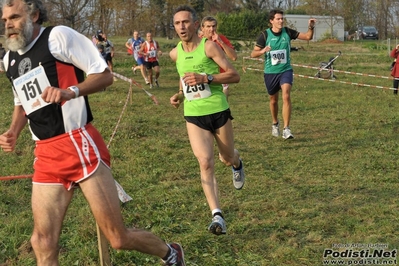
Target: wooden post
{"x":103,"y":248}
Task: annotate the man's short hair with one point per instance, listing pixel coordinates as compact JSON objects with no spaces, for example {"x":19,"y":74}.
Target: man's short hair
{"x":188,"y":9}
{"x":32,"y":6}
{"x":210,"y":19}
{"x":273,"y":12}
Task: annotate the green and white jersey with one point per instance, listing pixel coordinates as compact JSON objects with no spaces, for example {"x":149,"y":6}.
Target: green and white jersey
{"x":202,"y":99}
{"x":278,"y":59}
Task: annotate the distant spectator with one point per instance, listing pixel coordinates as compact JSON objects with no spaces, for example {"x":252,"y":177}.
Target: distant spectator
{"x":100,"y":48}
{"x":2,"y":53}
{"x":97,"y":37}
{"x":395,"y":68}
{"x":109,"y":52}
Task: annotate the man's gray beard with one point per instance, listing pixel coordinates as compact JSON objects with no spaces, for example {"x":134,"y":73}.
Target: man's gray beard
{"x":23,"y":39}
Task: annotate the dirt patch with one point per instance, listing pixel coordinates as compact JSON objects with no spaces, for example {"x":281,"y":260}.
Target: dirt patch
{"x":26,"y":249}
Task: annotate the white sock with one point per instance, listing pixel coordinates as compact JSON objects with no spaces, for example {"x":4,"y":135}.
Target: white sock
{"x":215,"y":211}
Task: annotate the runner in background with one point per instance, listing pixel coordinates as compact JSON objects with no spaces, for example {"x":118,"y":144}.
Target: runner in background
{"x":134,"y":44}
{"x":150,"y":49}
{"x":208,"y":30}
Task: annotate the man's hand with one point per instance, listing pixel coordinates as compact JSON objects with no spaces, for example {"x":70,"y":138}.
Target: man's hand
{"x":176,"y":100}
{"x":192,"y":79}
{"x":7,"y":141}
{"x":215,"y":37}
{"x":57,"y":95}
{"x":312,"y":22}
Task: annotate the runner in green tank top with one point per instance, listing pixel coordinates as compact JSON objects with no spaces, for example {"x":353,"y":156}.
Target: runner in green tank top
{"x":200,"y":63}
{"x":206,"y":109}
{"x":275,"y":45}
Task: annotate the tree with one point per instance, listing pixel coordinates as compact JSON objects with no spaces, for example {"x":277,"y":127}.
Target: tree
{"x":331,"y":9}
{"x":353,"y":14}
{"x":121,"y":17}
{"x":72,"y":13}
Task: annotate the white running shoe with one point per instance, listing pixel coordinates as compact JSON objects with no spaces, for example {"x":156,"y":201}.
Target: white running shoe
{"x":275,"y":130}
{"x":238,"y":176}
{"x":287,"y":133}
{"x":218,"y":226}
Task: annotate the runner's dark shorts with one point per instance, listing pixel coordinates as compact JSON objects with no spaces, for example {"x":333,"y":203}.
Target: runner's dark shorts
{"x":149,"y":65}
{"x":273,"y":82}
{"x":108,"y":58}
{"x":210,"y":122}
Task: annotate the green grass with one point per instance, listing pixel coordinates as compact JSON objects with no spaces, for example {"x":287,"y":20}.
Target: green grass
{"x":336,"y":182}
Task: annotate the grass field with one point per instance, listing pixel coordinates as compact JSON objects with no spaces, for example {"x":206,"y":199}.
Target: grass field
{"x":335,"y":183}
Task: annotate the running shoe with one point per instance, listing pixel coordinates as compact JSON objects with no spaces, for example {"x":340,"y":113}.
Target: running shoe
{"x":287,"y":133}
{"x":275,"y":130}
{"x":218,"y":226}
{"x":150,"y":86}
{"x":178,"y":256}
{"x":238,"y":176}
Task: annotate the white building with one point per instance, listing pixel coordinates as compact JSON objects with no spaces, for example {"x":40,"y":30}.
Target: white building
{"x":323,"y":25}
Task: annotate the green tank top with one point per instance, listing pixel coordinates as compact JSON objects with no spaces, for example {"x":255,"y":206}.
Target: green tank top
{"x":197,"y":61}
{"x":278,"y":59}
